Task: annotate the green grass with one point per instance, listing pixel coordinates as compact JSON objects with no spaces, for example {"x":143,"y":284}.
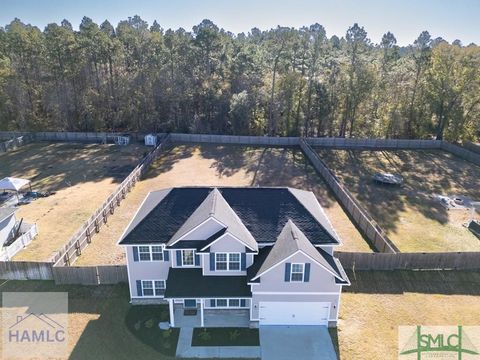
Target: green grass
{"x":226,"y":336}
{"x":101,"y":319}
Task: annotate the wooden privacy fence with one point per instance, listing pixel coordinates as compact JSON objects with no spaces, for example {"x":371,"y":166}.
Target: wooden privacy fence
{"x":374,"y":144}
{"x":362,"y":219}
{"x":25,"y":270}
{"x":90,"y":275}
{"x":238,"y":140}
{"x":409,"y":261}
{"x":82,"y":238}
{"x":461,"y":152}
{"x":472,"y":147}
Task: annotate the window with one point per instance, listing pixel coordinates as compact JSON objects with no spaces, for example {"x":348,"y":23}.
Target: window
{"x":147,"y":288}
{"x":221,"y":302}
{"x":227,"y":261}
{"x":234,"y":261}
{"x":144,"y":253}
{"x":157,"y":253}
{"x":234,"y":303}
{"x":227,"y":303}
{"x":159,"y":287}
{"x":190,"y":303}
{"x":187,"y":257}
{"x":153,"y":287}
{"x":297,"y":272}
{"x":221,"y":262}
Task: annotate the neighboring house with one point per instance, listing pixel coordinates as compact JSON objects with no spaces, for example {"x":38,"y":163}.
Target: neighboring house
{"x":262,"y":253}
{"x":14,"y":234}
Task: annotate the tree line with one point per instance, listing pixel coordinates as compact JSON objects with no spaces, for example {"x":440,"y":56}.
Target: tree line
{"x":280,"y":82}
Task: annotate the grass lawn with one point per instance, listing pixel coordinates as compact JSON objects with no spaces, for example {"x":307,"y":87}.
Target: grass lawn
{"x":225,"y":337}
{"x":378,"y":302}
{"x":412,"y":218}
{"x":222,"y":166}
{"x":103,"y":325}
{"x":83,"y":175}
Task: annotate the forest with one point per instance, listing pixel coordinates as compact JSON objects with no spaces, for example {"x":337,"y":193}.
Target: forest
{"x":279,"y":82}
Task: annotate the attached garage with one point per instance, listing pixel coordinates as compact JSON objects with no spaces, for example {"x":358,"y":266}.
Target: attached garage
{"x":294,"y":313}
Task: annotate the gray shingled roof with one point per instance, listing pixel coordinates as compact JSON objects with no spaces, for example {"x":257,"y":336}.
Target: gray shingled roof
{"x":262,"y":212}
{"x":214,"y":206}
{"x":291,"y":240}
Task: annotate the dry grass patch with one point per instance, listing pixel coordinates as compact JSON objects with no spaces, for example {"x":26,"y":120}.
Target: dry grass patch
{"x":412,"y":218}
{"x":379,"y":302}
{"x":83,"y":175}
{"x":221,"y":166}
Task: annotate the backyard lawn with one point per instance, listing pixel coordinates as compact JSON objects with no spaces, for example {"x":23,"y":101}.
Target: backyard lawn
{"x":412,"y":217}
{"x":82,"y":175}
{"x":222,"y":166}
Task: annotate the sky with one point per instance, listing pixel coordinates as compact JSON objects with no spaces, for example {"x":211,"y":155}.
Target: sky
{"x":406,"y":19}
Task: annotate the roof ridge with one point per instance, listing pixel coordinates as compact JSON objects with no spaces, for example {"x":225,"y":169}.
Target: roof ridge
{"x":214,"y":201}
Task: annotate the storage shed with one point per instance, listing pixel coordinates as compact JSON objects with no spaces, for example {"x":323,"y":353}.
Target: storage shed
{"x":150,"y":139}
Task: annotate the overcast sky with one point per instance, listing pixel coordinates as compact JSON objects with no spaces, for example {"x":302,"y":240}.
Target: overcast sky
{"x":453,"y":19}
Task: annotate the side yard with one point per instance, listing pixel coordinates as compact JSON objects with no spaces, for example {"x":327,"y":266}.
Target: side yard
{"x":412,"y":214}
{"x":222,"y":166}
{"x":379,"y":302}
{"x":82,"y":175}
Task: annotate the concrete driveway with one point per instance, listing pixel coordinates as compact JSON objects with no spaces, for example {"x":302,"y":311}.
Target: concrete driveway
{"x":296,"y":342}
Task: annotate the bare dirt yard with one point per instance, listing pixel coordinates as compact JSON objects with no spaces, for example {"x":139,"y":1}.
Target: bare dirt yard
{"x":378,"y":302}
{"x":221,"y":166}
{"x":411,"y":215}
{"x":82,"y":175}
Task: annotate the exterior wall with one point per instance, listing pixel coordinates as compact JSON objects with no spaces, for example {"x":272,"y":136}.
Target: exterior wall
{"x":6,"y":227}
{"x":332,"y":298}
{"x":145,"y":270}
{"x":204,"y":231}
{"x":226,"y":244}
{"x":320,"y":279}
{"x":321,"y":287}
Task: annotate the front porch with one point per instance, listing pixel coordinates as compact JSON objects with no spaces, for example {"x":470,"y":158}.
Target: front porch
{"x":209,"y":317}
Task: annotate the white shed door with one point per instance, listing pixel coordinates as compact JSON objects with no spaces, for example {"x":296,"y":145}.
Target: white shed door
{"x":294,"y":313}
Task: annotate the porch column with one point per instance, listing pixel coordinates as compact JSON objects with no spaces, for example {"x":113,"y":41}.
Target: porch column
{"x":170,"y":307}
{"x":201,"y":313}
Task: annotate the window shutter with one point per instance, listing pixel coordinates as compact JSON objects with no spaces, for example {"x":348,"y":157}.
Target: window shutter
{"x":212,"y":303}
{"x":197,"y":260}
{"x":135,"y":253}
{"x":244,"y":261}
{"x":166,"y":255}
{"x":287,"y":271}
{"x":212,"y":261}
{"x":306,"y":276}
{"x":242,"y":303}
{"x":139,"y":288}
{"x":179,"y":257}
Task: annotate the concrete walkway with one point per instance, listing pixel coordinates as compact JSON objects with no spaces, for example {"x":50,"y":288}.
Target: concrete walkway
{"x":296,"y":342}
{"x":186,"y":350}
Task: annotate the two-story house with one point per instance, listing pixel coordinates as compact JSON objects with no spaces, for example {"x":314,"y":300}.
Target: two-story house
{"x":262,"y":253}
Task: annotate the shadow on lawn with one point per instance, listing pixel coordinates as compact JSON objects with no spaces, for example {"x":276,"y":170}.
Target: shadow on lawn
{"x":54,"y":166}
{"x":269,"y":166}
{"x":425,"y":173}
{"x":428,"y":282}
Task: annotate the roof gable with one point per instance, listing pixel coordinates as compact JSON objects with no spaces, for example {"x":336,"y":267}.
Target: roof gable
{"x":291,"y":241}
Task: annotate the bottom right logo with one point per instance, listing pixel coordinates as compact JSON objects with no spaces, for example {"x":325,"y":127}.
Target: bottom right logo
{"x":439,"y":342}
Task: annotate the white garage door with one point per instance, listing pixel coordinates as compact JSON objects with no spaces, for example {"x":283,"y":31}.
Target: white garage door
{"x":294,"y":313}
